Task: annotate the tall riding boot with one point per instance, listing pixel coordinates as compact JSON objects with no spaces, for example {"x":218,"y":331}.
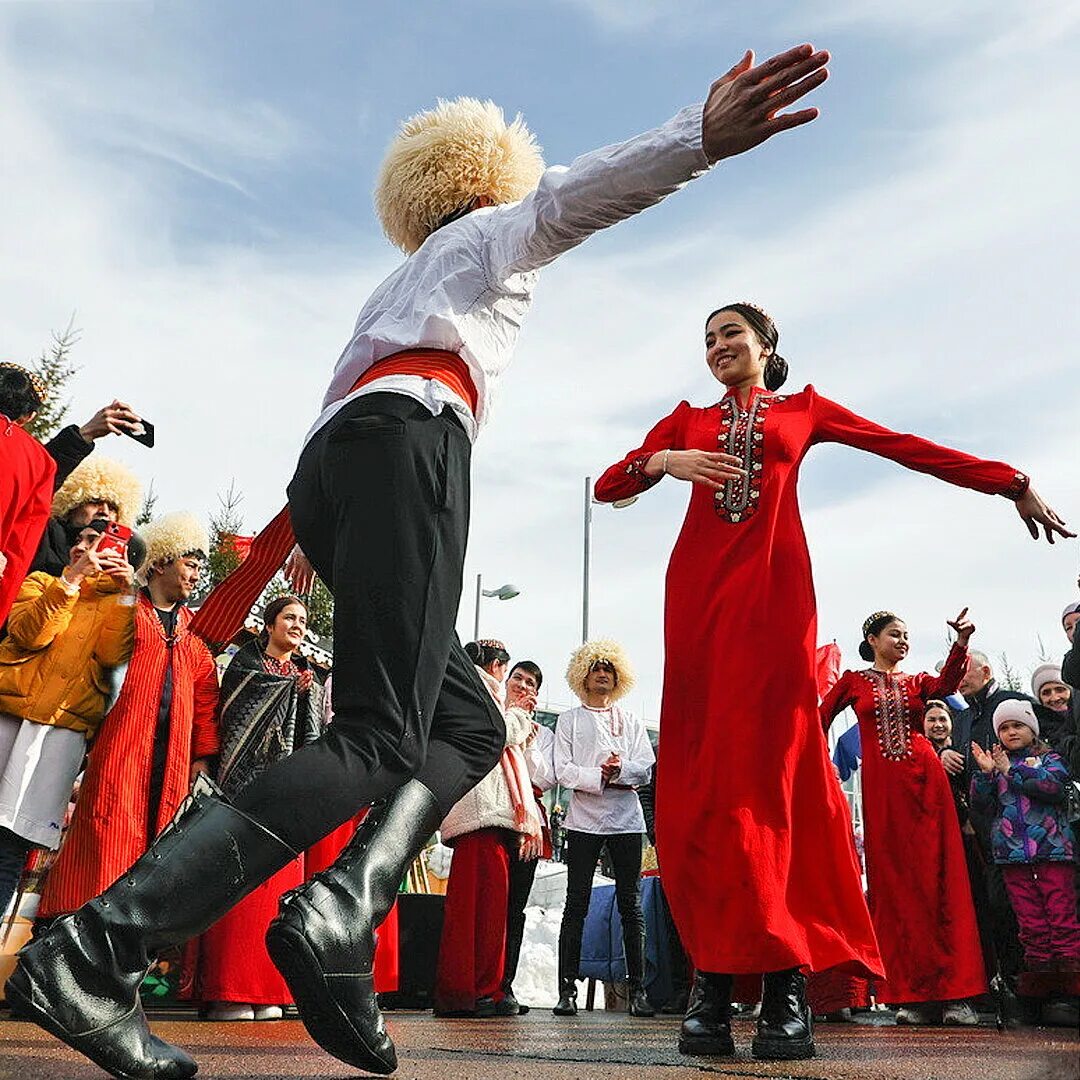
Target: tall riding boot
{"x":706,"y":1028}
{"x":637,"y":1003}
{"x":785,"y":1030}
{"x":569,"y":962}
{"x":80,"y":980}
{"x":323,"y":939}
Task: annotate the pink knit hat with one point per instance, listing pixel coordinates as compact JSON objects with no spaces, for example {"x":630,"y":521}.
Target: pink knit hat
{"x":1016,"y":709}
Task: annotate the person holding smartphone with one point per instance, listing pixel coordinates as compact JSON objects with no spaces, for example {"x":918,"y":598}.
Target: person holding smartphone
{"x":65,"y":634}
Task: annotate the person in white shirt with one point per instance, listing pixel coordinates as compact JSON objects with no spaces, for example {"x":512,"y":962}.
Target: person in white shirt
{"x":524,"y":682}
{"x":379,"y":504}
{"x":603,"y":754}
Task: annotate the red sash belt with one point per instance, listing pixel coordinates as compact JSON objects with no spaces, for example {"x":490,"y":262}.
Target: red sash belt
{"x":223,"y":612}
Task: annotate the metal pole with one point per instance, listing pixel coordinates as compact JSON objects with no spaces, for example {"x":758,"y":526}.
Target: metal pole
{"x":476,"y":618}
{"x":586,"y":545}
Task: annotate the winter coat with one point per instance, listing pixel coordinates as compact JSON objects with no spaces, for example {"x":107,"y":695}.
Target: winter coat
{"x":489,"y":805}
{"x":1028,"y":809}
{"x":26,"y":490}
{"x":60,"y":648}
{"x":109,"y":829}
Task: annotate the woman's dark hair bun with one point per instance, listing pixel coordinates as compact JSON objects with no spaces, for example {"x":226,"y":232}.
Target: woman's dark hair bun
{"x":865,"y":651}
{"x":776,"y":372}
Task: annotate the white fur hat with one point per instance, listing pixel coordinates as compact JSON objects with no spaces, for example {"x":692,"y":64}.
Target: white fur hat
{"x":443,"y":158}
{"x":100,"y":479}
{"x":172,"y":536}
{"x":585,"y":658}
{"x":1016,"y":709}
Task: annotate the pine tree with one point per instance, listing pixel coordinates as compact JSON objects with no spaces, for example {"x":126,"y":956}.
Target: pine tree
{"x":222,"y":558}
{"x":55,"y":368}
{"x":146,"y":513}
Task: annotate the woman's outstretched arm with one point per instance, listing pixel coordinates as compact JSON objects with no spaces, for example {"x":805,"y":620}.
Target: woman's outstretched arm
{"x":834,"y":423}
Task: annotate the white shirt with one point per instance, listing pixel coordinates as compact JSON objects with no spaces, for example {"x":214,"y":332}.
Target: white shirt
{"x":584,"y":738}
{"x":469,"y":287}
{"x":539,"y":756}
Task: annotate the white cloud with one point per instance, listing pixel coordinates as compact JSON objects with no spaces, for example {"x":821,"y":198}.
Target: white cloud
{"x":929,"y":284}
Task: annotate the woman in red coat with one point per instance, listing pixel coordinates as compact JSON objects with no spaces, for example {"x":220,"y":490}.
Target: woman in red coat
{"x":759,"y":866}
{"x":919,"y":893}
{"x":26,"y":480}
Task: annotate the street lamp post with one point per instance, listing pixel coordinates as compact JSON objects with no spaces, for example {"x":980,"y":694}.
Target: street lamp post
{"x":586,"y":544}
{"x":503,"y":592}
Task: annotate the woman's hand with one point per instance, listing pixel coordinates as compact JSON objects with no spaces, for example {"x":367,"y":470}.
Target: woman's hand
{"x":86,"y":565}
{"x":963,"y":626}
{"x":706,"y":467}
{"x":299,"y":572}
{"x":982,"y":758}
{"x":953,"y":762}
{"x":740,"y":111}
{"x":1034,"y":512}
{"x":117,"y":567}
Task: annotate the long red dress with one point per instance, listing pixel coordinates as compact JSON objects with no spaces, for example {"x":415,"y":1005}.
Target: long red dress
{"x":753,"y":830}
{"x":920,"y":896}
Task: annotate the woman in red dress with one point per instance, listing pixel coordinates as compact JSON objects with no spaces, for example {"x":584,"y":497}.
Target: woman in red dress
{"x":919,"y":893}
{"x":759,"y":865}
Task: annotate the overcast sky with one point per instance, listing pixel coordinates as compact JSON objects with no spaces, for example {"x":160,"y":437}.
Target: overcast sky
{"x":194,"y":180}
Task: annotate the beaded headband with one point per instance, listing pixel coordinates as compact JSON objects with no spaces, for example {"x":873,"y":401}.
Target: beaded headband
{"x":492,"y":643}
{"x":758,"y":308}
{"x":36,"y":382}
{"x":871,"y":619}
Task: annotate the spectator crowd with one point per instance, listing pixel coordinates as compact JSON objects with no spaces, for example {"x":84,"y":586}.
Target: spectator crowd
{"x":969,"y":787}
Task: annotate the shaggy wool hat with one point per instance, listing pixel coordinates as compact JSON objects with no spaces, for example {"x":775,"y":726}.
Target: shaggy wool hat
{"x":1043,"y":674}
{"x":443,"y":158}
{"x":585,"y":658}
{"x":172,"y":537}
{"x":1016,"y":709}
{"x":100,"y":479}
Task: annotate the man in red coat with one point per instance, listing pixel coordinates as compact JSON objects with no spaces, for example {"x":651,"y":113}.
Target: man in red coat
{"x":157,"y":737}
{"x":26,"y":480}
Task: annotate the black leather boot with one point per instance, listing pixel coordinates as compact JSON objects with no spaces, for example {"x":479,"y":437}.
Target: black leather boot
{"x":706,"y":1027}
{"x":785,"y":1030}
{"x":80,"y":980}
{"x":569,"y":963}
{"x":637,"y":1004}
{"x":323,"y":939}
{"x":567,"y":1004}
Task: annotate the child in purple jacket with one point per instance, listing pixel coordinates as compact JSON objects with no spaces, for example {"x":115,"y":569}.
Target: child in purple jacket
{"x":1022,"y":782}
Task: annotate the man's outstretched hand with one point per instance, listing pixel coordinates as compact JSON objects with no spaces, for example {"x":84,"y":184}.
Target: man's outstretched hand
{"x":742,"y":107}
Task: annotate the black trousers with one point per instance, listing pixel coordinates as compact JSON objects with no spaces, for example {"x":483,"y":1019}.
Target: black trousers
{"x":380,"y":505}
{"x":522,"y":875}
{"x":581,"y":855}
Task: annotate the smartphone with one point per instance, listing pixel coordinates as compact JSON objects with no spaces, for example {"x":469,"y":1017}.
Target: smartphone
{"x":144,"y":433}
{"x":115,"y":538}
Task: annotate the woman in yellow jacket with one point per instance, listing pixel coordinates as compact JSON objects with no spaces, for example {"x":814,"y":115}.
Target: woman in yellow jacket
{"x":64,"y":636}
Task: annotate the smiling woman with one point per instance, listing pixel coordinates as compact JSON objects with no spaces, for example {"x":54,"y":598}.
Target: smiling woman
{"x":780,"y":890}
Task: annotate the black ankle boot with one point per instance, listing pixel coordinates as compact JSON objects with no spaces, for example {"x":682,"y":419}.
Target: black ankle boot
{"x":637,"y":1002}
{"x":323,"y":940}
{"x":706,"y":1027}
{"x":785,"y":1030}
{"x":80,"y":980}
{"x":567,"y":1004}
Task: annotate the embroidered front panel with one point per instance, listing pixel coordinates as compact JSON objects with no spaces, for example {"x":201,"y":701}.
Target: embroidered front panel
{"x":742,"y":433}
{"x":891,"y":716}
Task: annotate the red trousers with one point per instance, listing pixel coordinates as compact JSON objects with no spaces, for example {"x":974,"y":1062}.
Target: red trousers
{"x":472,"y":951}
{"x":1043,"y":895}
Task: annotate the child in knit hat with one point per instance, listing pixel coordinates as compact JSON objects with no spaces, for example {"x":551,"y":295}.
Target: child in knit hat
{"x":1022,"y":783}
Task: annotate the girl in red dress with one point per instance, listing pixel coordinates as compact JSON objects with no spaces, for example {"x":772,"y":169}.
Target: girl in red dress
{"x":919,"y":893}
{"x":759,"y":865}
